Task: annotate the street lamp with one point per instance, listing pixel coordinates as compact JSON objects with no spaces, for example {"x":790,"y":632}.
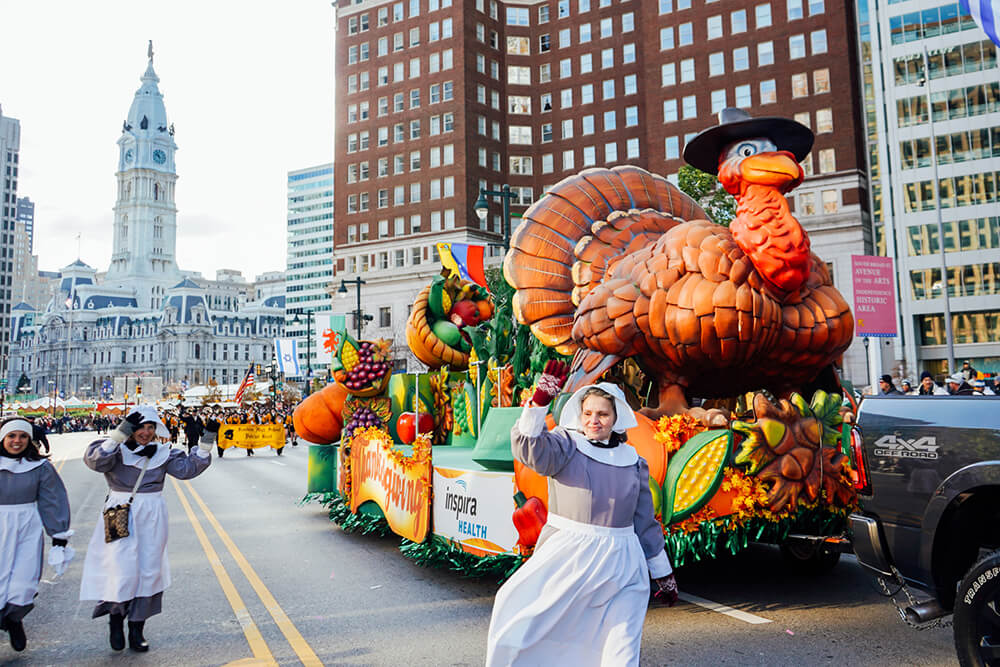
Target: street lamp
{"x":309,"y":323}
{"x":949,"y":337}
{"x":482,"y":208}
{"x":359,"y":316}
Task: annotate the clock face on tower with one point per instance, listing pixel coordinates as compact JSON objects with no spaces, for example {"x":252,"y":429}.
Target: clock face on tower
{"x":129,"y":155}
{"x":159,"y":157}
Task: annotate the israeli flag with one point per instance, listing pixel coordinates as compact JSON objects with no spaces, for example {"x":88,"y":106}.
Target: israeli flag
{"x":986,"y":13}
{"x":286,"y":351}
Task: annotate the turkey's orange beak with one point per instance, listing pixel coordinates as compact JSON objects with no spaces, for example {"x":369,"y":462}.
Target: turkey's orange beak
{"x":777,"y":169}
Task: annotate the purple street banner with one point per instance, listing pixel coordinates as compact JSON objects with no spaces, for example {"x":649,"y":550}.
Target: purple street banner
{"x":874,"y":296}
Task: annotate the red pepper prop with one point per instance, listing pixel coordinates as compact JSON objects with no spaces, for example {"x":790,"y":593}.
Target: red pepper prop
{"x":529,"y":518}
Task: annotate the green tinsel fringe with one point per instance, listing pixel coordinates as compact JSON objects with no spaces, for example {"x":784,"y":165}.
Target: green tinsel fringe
{"x":710,"y":540}
{"x":436,"y":551}
{"x":725,"y":535}
{"x":349,"y":522}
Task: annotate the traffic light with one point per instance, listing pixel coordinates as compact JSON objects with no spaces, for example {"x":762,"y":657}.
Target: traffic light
{"x":138,"y":389}
{"x":258,"y":369}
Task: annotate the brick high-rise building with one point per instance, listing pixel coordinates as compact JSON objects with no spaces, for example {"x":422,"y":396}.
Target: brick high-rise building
{"x":438,"y":99}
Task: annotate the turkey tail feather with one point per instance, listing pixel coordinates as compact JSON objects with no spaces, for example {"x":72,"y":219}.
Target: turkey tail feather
{"x":568,"y":238}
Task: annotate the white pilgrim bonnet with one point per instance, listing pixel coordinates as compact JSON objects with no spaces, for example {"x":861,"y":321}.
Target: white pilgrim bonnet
{"x":570,"y":417}
{"x":149,"y":414}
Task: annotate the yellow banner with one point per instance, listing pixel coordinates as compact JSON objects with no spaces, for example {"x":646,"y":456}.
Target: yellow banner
{"x":399,"y":484}
{"x":252,"y":436}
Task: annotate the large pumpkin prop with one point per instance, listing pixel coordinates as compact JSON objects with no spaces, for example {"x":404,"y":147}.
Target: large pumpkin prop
{"x":317,"y":419}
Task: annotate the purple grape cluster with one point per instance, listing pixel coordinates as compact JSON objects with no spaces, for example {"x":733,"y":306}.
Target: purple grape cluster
{"x":367,"y":371}
{"x":363,"y":417}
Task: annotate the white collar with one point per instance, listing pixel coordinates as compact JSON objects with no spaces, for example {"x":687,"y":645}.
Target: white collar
{"x":130,"y":458}
{"x":621,"y":456}
{"x":19,"y":465}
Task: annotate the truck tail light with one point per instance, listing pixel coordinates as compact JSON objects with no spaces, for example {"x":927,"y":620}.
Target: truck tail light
{"x":861,"y":484}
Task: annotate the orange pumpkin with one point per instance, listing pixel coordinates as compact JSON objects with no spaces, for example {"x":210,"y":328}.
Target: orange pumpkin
{"x":317,"y":419}
{"x":642,"y":438}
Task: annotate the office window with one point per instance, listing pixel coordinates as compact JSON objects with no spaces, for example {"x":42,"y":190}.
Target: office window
{"x":518,"y":75}
{"x":743,"y":100}
{"x":567,"y":160}
{"x":666,"y":6}
{"x":796,"y":47}
{"x":685,"y":34}
{"x":794,"y":9}
{"x":631,"y":116}
{"x":567,"y":128}
{"x":631,"y":149}
{"x":805,"y":118}
{"x":800,"y":85}
{"x":606,"y":29}
{"x":807,"y":203}
{"x":816,"y":7}
{"x":765,"y":54}
{"x":824,"y":121}
{"x":565,"y":68}
{"x":817,"y":42}
{"x":589,"y":156}
{"x":687,"y":70}
{"x":519,"y":104}
{"x":610,"y":120}
{"x":830,"y":201}
{"x":544,"y":73}
{"x":714,"y":27}
{"x":716,"y":64}
{"x":672,"y":148}
{"x":630,"y":84}
{"x":520,"y":165}
{"x":669,"y":111}
{"x":827,"y":161}
{"x":544,"y":43}
{"x":689,"y":107}
{"x":738,"y":21}
{"x":566,"y":98}
{"x":768,"y":92}
{"x":546,"y":132}
{"x":668,"y":74}
{"x":586,"y":63}
{"x":545,"y":101}
{"x":666,"y":38}
{"x":518,"y":46}
{"x":628,"y":53}
{"x":608,"y":89}
{"x":543,"y":14}
{"x":607,"y":58}
{"x":547,"y":163}
{"x":741,"y":59}
{"x":628,"y":23}
{"x":584,"y":33}
{"x":520,"y":134}
{"x":718,"y":100}
{"x":587,"y":124}
{"x":762,"y":15}
{"x":610,"y":153}
{"x":587,"y":93}
{"x":821,"y":81}
{"x":565,"y":38}
{"x":517,"y":16}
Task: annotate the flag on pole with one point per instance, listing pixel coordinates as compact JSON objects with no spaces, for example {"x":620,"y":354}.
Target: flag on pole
{"x":246,"y":385}
{"x":330,"y":330}
{"x":286,"y":351}
{"x":985,"y":13}
{"x":464,"y":260}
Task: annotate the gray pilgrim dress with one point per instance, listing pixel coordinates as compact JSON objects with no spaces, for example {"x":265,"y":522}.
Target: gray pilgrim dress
{"x":128,"y":576}
{"x":581,"y":598}
{"x":32,"y":497}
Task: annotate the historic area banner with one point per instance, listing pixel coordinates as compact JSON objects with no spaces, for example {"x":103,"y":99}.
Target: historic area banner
{"x":399,"y":484}
{"x":251,"y":436}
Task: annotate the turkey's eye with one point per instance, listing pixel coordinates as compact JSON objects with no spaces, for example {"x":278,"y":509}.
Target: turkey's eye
{"x":746,"y":150}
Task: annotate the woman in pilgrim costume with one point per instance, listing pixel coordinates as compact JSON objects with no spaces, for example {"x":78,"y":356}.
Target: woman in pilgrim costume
{"x":581,"y":598}
{"x":128,"y":575}
{"x":32,"y":498}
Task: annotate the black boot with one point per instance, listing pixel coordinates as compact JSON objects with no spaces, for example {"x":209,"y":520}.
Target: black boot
{"x":136,"y":641}
{"x":117,"y":631}
{"x":18,"y":640}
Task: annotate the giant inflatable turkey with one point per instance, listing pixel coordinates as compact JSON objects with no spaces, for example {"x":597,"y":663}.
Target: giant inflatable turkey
{"x":617,"y":263}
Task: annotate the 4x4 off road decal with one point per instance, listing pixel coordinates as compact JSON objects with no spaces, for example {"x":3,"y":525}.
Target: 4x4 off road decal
{"x":918,"y":448}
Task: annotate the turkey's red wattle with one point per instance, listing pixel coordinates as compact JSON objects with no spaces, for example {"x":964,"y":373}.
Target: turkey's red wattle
{"x":771,"y":237}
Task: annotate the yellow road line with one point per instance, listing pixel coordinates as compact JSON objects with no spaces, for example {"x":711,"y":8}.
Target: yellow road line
{"x":298,"y":643}
{"x":257,"y":644}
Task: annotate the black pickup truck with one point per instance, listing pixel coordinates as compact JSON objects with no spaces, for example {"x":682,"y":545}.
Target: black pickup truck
{"x":929,"y":485}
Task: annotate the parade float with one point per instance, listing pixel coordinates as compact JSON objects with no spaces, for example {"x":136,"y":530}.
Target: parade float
{"x":725,"y":340}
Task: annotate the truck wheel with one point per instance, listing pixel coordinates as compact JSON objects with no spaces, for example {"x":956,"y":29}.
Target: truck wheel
{"x":977,"y":614}
{"x":809,"y":559}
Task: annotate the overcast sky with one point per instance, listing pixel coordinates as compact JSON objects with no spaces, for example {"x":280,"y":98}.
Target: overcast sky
{"x":248,"y":87}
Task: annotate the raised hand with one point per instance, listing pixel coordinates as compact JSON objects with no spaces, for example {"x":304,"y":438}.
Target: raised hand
{"x":550,"y":383}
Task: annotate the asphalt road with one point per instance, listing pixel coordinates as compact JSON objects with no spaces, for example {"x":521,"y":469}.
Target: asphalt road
{"x":258,"y":579}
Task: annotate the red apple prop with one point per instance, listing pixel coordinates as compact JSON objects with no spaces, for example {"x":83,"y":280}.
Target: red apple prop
{"x":405,"y":426}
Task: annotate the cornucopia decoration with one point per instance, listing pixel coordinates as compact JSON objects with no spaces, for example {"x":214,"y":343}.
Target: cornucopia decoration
{"x":436,"y":330}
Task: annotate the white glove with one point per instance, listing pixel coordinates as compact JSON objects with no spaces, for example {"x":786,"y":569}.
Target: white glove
{"x":59,"y":558}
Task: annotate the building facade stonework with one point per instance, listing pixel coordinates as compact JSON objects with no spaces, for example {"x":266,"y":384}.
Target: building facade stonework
{"x":144,"y":316}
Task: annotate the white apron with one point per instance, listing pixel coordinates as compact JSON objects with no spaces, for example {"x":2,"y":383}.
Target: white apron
{"x":579,"y":600}
{"x":134,"y":566}
{"x":21,"y":543}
